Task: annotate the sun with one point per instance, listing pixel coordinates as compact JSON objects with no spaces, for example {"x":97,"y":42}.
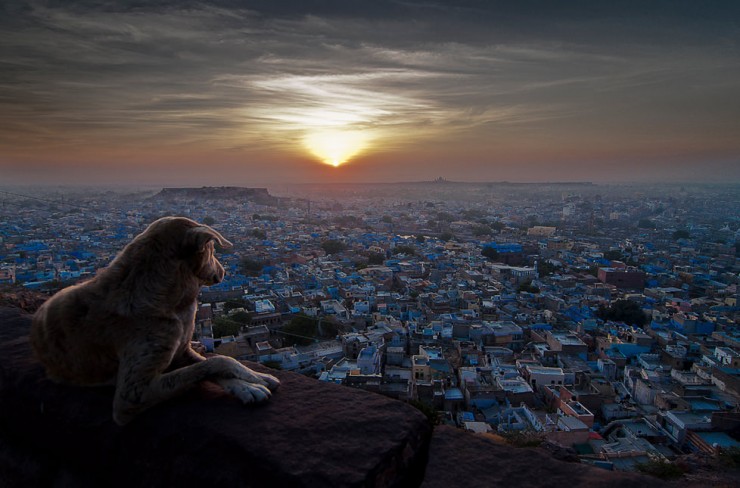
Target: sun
{"x":335,"y":147}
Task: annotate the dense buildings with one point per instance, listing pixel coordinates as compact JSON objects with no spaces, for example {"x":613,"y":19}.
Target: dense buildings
{"x":611,"y":328}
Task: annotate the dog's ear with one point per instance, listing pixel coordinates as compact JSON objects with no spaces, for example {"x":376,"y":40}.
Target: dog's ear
{"x":199,"y":236}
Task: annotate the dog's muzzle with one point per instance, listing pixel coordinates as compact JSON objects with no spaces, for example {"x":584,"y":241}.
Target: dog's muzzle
{"x":216,"y":277}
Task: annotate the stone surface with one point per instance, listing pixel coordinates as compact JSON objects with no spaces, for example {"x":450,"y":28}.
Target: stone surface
{"x":308,"y":434}
{"x":459,"y":458}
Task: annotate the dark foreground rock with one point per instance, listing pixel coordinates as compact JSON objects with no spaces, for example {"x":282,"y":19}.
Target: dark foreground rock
{"x":310,"y":434}
{"x":456,"y":455}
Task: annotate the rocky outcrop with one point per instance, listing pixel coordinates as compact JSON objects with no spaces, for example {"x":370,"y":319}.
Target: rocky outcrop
{"x":18,"y":297}
{"x":482,"y":462}
{"x":309,"y":434}
{"x":256,"y":195}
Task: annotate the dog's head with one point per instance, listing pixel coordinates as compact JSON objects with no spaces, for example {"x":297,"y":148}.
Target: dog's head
{"x":191,"y":242}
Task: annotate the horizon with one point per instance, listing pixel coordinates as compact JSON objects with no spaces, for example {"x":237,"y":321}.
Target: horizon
{"x":253,"y":185}
{"x":20,"y":189}
{"x":224,"y":92}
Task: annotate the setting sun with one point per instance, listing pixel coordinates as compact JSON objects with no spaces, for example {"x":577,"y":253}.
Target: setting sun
{"x":335,"y":147}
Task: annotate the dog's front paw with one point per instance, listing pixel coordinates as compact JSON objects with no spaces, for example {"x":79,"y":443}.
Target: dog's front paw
{"x":263,"y":379}
{"x":245,"y":391}
{"x":271,"y":382}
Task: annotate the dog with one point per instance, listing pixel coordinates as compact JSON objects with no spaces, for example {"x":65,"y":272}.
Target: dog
{"x":131,"y":325}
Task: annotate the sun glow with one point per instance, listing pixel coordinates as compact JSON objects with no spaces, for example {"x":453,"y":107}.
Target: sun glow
{"x":335,"y":147}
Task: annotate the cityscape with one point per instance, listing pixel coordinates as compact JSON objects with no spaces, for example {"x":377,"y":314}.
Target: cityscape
{"x":475,"y":242}
{"x":599,"y":318}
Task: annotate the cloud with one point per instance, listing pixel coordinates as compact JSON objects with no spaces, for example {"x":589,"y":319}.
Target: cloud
{"x":489,"y":77}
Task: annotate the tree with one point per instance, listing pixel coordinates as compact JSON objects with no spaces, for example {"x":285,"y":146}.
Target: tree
{"x":420,"y":239}
{"x":230,"y":305}
{"x":209,"y":220}
{"x":272,"y":364}
{"x":258,"y":233}
{"x":625,"y":311}
{"x":243,"y":318}
{"x":545,"y":268}
{"x":613,"y":255}
{"x":445,"y":216}
{"x":490,"y":253}
{"x":251,"y":266}
{"x":375,"y":258}
{"x":387,"y":219}
{"x":645,"y":224}
{"x":300,"y":331}
{"x":482,"y":230}
{"x":403,"y":249}
{"x":681,"y":234}
{"x":528,"y":287}
{"x":333,"y":246}
{"x":349,"y":220}
{"x":499,"y":226}
{"x":472,"y":213}
{"x":223,"y":326}
{"x":446,"y":236}
{"x":303,"y":330}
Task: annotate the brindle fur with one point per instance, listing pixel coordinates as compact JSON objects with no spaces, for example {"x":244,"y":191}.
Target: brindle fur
{"x":131,"y":325}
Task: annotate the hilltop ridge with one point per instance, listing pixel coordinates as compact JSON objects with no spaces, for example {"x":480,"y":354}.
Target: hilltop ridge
{"x":256,"y":195}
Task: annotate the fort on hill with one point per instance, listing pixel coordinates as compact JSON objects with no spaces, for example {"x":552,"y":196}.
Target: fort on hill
{"x":256,"y":195}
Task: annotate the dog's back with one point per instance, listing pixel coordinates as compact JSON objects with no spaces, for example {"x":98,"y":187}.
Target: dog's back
{"x":78,"y":334}
{"x":67,"y":340}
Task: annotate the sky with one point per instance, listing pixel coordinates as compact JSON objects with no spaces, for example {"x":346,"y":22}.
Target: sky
{"x":255,"y":93}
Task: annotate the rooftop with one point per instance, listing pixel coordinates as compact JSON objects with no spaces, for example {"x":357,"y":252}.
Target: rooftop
{"x":544,"y":370}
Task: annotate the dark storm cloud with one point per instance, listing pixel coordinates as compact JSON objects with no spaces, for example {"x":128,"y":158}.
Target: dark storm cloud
{"x":260,"y":74}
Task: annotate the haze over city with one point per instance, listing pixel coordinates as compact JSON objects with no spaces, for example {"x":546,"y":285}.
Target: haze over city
{"x":258,"y":93}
